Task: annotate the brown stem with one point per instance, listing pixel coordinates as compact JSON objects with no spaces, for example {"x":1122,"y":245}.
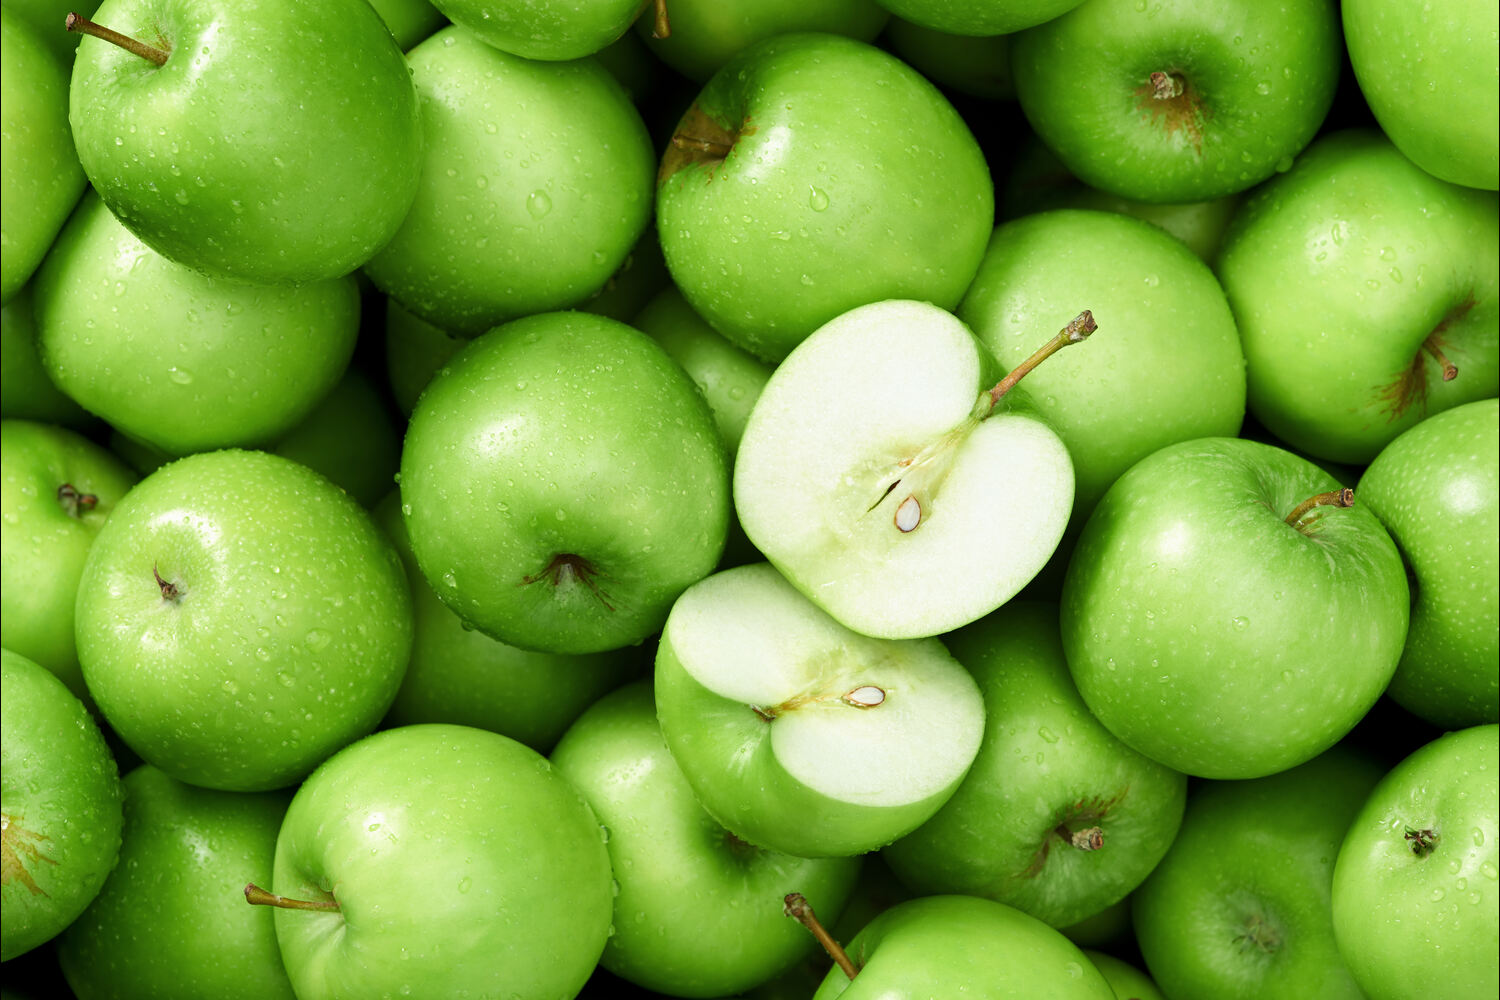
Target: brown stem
{"x":1165,"y":86}
{"x":719,"y":149}
{"x":256,"y":896}
{"x":661,"y":27}
{"x":1078,"y":328}
{"x":795,"y":905}
{"x":1450,"y":370}
{"x":74,"y":504}
{"x":1090,"y":838}
{"x":82,"y":25}
{"x":1333,"y":498}
{"x":169,"y":590}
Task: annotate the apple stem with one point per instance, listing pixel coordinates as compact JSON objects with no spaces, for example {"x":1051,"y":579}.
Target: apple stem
{"x":82,"y":25}
{"x":74,"y":504}
{"x":1165,"y":86}
{"x":1422,"y":841}
{"x":661,"y":27}
{"x":795,"y":905}
{"x":1333,"y":498}
{"x":256,"y":896}
{"x":1450,"y":370}
{"x":718,"y":149}
{"x":1078,"y":328}
{"x":169,"y":590}
{"x":1088,"y":839}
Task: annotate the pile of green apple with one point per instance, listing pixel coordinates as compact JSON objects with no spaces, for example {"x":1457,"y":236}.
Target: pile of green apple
{"x":764,"y":499}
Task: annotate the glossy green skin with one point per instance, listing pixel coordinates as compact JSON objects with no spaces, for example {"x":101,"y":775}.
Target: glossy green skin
{"x":1429,"y":74}
{"x":638,"y":279}
{"x":978,"y":17}
{"x":551,"y":30}
{"x":855,"y":181}
{"x":977,"y":66}
{"x":1106,"y":927}
{"x":536,"y":184}
{"x":707,"y":33}
{"x":1128,"y":982}
{"x":946,"y":946}
{"x":47,"y":18}
{"x":61,"y":803}
{"x":42,"y":177}
{"x":414,"y":351}
{"x":44,"y":544}
{"x":1425,"y":926}
{"x":1338,"y":271}
{"x":1045,"y":762}
{"x":1239,"y":908}
{"x":350,"y":438}
{"x":460,"y":675}
{"x":409,"y":21}
{"x":175,"y":358}
{"x":270,"y":147}
{"x":1210,"y":635}
{"x":463,"y":865}
{"x":1163,"y":325}
{"x":26,"y":393}
{"x":288,"y":637}
{"x":171,"y":921}
{"x":563,"y":434}
{"x":1265,"y":84}
{"x":1434,"y":489}
{"x":699,"y":913}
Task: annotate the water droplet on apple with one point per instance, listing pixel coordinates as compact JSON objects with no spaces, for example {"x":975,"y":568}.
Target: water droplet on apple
{"x":1489,"y":871}
{"x":180,"y":375}
{"x":1478,"y":837}
{"x":1047,"y":734}
{"x":1437,"y":894}
{"x":604,"y":833}
{"x":465,"y":884}
{"x":1263,"y":88}
{"x":807,"y":279}
{"x":1241,"y":623}
{"x":317,"y":639}
{"x":538,"y":204}
{"x":1288,"y":676}
{"x":1284,"y":164}
{"x":286,"y":679}
{"x":817,"y":199}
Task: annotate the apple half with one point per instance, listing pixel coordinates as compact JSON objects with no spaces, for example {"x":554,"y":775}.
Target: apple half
{"x":878,"y":473}
{"x":800,"y":735}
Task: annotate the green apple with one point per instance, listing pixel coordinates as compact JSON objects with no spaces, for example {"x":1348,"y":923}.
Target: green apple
{"x":170,"y":922}
{"x":562,"y":483}
{"x":1167,"y":326}
{"x":410,"y":21}
{"x":552,"y":30}
{"x":414,"y":352}
{"x":42,"y":177}
{"x":1428,"y":73}
{"x":1239,"y":907}
{"x":639,"y":277}
{"x":57,"y":488}
{"x":815,"y":174}
{"x":946,"y":946}
{"x":1128,"y":982}
{"x":61,"y":815}
{"x":1107,"y":927}
{"x":239,"y":619}
{"x":26,"y":392}
{"x":800,"y":735}
{"x":349,"y":437}
{"x":1414,"y":893}
{"x":1434,"y":488}
{"x":1226,"y":613}
{"x":706,"y":33}
{"x":975,"y":65}
{"x":269,"y":143}
{"x":1056,"y":817}
{"x":536,"y":183}
{"x":699,"y":912}
{"x":1179,"y":100}
{"x":175,"y":358}
{"x":978,"y":17}
{"x":460,"y":675}
{"x":47,"y":17}
{"x":889,"y":482}
{"x":445,"y":861}
{"x":1367,"y":295}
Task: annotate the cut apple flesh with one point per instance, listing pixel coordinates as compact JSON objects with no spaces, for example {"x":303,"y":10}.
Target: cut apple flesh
{"x":869,"y":476}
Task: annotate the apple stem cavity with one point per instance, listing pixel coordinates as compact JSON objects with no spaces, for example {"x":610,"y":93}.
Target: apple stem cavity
{"x":256,"y":896}
{"x":795,"y":905}
{"x":1090,"y":838}
{"x":1078,"y":329}
{"x":1333,"y":498}
{"x":661,"y":27}
{"x":74,"y":503}
{"x":565,"y":567}
{"x":1450,"y":370}
{"x":1165,"y":86}
{"x":713,"y":147}
{"x":81,"y":25}
{"x":1422,"y":842}
{"x":169,"y":590}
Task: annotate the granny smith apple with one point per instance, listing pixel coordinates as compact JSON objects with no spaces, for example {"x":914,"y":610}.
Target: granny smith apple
{"x":562,"y":483}
{"x":894,"y":481}
{"x":978,"y":17}
{"x":706,"y":33}
{"x":351,"y":438}
{"x":409,"y":21}
{"x":270,"y":143}
{"x":536,"y":183}
{"x":641,"y":275}
{"x":812,"y":175}
{"x":1435,"y":489}
{"x":1128,"y":982}
{"x":699,"y":912}
{"x":26,"y":393}
{"x":42,"y":177}
{"x":1367,"y":295}
{"x":1414,"y":892}
{"x":1227,"y":613}
{"x":1107,"y":927}
{"x":975,"y":65}
{"x":240,"y":618}
{"x":414,"y":351}
{"x":443,"y":861}
{"x":178,"y":359}
{"x":170,"y":921}
{"x":1428,"y":73}
{"x":551,"y":30}
{"x":1239,"y":907}
{"x":1179,"y":100}
{"x":57,"y":489}
{"x":460,"y":675}
{"x":61,"y":815}
{"x":800,"y":735}
{"x":46,"y":16}
{"x":1056,"y":817}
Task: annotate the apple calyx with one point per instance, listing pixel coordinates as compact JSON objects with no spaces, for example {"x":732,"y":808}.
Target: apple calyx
{"x":699,"y":138}
{"x":74,"y":503}
{"x":1167,"y":99}
{"x":661,"y":27}
{"x":1333,"y":498}
{"x":79,"y":24}
{"x":169,"y":590}
{"x":864,"y":696}
{"x":566,"y":567}
{"x":256,"y":896}
{"x":17,"y":845}
{"x":1423,"y":842}
{"x":795,"y":905}
{"x":1260,"y":935}
{"x":1165,"y":86}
